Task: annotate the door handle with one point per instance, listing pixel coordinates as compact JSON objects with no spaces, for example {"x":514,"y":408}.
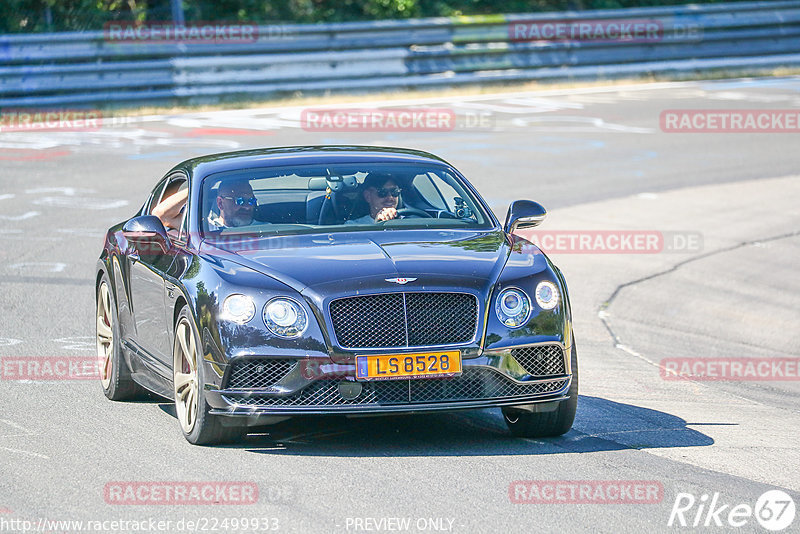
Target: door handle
{"x":134,"y":256}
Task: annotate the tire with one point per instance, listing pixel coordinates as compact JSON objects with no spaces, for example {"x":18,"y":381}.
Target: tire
{"x":199,"y":427}
{"x":547,"y":424}
{"x":115,"y":377}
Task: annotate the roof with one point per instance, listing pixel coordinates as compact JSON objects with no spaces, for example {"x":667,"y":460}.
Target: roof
{"x":303,"y":155}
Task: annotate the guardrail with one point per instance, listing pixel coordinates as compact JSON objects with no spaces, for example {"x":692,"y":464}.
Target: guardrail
{"x":90,"y":69}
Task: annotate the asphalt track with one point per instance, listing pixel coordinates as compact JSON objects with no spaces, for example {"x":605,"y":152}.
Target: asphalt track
{"x":599,"y":161}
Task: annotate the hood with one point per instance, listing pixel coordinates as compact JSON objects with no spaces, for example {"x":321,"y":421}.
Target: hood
{"x":352,"y":262}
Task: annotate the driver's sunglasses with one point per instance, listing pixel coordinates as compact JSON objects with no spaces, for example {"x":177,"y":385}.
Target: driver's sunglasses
{"x":241,"y":201}
{"x":384,"y":192}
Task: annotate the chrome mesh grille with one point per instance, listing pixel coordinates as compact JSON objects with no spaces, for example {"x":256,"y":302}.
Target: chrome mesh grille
{"x":404,"y":320}
{"x":542,"y":360}
{"x":474,"y":384}
{"x":369,"y":321}
{"x":440,"y":318}
{"x":261,"y":373}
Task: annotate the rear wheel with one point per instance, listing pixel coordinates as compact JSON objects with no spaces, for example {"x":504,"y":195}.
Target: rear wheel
{"x":547,"y":424}
{"x":198,"y":425}
{"x":115,"y":376}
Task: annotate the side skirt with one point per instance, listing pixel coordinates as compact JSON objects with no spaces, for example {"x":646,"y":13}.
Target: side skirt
{"x":147,"y":371}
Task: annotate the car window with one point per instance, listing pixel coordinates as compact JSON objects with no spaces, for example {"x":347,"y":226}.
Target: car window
{"x":184,"y":233}
{"x":155,"y":197}
{"x":424,"y":184}
{"x":175,"y":186}
{"x":338,"y":197}
{"x":446,"y":191}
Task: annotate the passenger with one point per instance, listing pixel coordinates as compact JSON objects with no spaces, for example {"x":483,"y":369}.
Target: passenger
{"x":170,"y":209}
{"x":236,"y":203}
{"x":382,"y":195}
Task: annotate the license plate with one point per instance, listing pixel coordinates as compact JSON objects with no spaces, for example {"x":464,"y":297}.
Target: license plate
{"x":400,"y":366}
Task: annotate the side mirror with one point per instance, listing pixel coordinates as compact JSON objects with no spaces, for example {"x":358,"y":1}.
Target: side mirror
{"x":524,"y":214}
{"x":147,"y":232}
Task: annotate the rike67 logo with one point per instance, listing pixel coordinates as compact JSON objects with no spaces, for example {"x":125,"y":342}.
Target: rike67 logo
{"x":774,"y":511}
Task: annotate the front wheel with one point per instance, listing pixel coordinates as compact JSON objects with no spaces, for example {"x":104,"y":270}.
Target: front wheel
{"x":198,"y":425}
{"x":547,"y":424}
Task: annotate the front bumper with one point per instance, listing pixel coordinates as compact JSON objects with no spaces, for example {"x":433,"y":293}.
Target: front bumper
{"x":518,"y":376}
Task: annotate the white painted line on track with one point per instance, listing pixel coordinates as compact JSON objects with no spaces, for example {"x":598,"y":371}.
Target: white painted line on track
{"x":23,"y":217}
{"x":82,"y":232}
{"x":67,"y":191}
{"x":434,"y":100}
{"x":42,"y":266}
{"x":27,"y":453}
{"x":86,"y":343}
{"x":16,"y":426}
{"x":86,"y":203}
{"x":575,"y":124}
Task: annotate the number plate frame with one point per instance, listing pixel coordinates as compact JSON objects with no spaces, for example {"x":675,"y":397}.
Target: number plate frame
{"x":369,"y":366}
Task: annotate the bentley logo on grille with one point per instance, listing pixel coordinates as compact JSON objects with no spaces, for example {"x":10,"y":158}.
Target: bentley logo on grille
{"x":400,"y":281}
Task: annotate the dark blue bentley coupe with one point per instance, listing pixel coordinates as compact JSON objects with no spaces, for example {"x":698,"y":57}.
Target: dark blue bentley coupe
{"x":256,"y":285}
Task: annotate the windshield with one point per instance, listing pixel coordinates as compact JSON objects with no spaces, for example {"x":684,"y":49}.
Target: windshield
{"x":337,"y":198}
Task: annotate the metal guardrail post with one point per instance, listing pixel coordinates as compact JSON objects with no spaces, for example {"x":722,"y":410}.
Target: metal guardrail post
{"x":177,"y":11}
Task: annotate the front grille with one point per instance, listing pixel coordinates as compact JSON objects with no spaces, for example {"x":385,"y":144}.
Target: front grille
{"x":404,"y":320}
{"x":258,"y":373}
{"x":370,"y":321}
{"x":541,"y":360}
{"x":476,"y":383}
{"x":440,"y":318}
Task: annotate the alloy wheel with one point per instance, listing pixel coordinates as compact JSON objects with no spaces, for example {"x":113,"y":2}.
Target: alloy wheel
{"x":185,"y":375}
{"x":105,"y":335}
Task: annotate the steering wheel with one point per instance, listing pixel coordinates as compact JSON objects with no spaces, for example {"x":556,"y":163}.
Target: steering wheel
{"x":413,"y":211}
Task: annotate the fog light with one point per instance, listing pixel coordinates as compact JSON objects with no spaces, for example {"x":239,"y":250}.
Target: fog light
{"x":350,"y":390}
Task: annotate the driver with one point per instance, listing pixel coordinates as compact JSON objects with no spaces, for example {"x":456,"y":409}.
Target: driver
{"x":236,"y":203}
{"x":382,"y":195}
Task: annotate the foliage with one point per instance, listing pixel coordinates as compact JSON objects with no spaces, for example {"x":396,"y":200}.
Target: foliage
{"x":77,"y":15}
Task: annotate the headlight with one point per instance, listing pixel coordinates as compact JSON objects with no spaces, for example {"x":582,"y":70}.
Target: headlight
{"x":238,"y":308}
{"x":285,"y":318}
{"x":546,"y":295}
{"x":513,"y":307}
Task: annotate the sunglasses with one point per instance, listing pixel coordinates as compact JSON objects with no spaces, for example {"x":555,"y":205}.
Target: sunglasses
{"x":241,"y":201}
{"x":384,"y":192}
